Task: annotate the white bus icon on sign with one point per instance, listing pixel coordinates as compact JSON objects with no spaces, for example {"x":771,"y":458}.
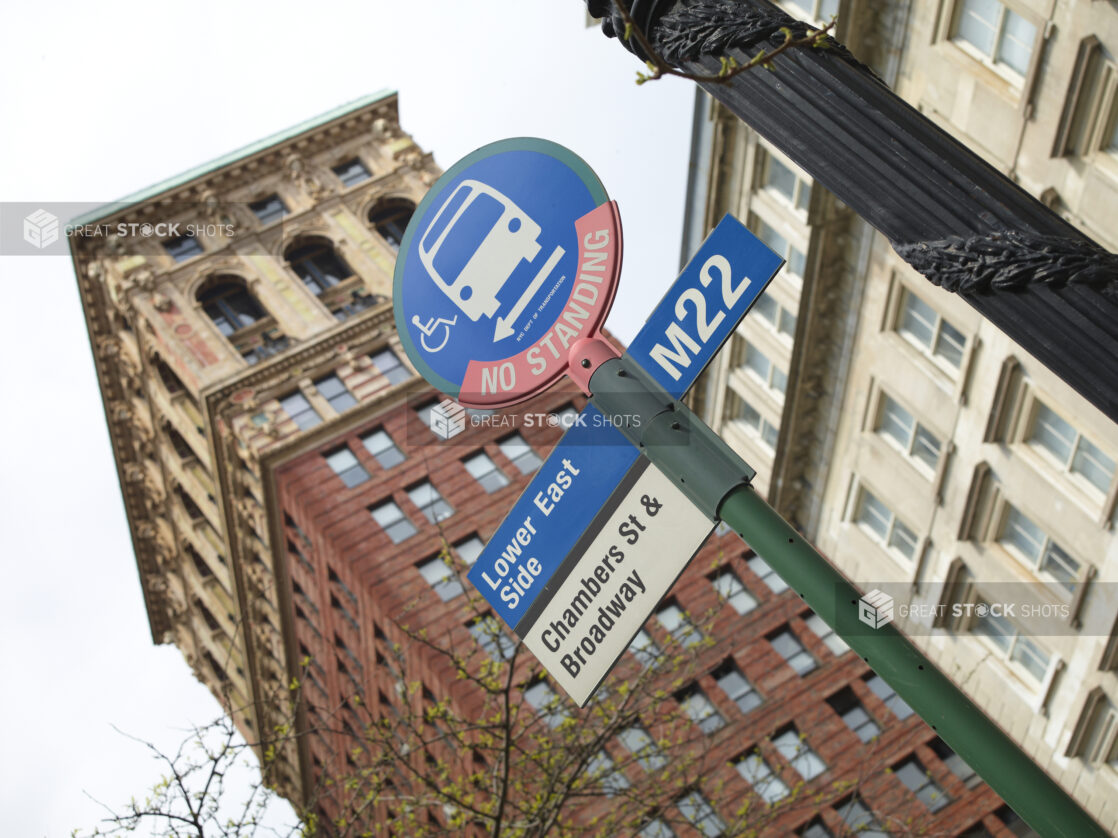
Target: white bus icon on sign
{"x":474,"y":244}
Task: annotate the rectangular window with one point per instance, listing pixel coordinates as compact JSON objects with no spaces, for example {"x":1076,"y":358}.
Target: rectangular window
{"x":1030,"y":543}
{"x":384,"y":450}
{"x":345,"y":465}
{"x":767,"y":574}
{"x":331,"y":388}
{"x":469,"y":549}
{"x":643,"y":747}
{"x":915,"y":776}
{"x":182,"y":248}
{"x":731,"y":589}
{"x":700,"y":814}
{"x":758,"y":364}
{"x":783,"y":181}
{"x":565,"y":416}
{"x":794,"y":748}
{"x":1073,"y":451}
{"x":269,"y":209}
{"x":351,"y":172}
{"x":922,"y":326}
{"x":430,"y":502}
{"x":860,"y":820}
{"x":797,"y":262}
{"x":485,"y":472}
{"x":816,"y":829}
{"x":602,"y":769}
{"x":898,"y":425}
{"x":393,"y":521}
{"x":788,"y":646}
{"x":678,"y":624}
{"x":488,"y":634}
{"x":1014,"y":823}
{"x":520,"y":453}
{"x":827,"y":634}
{"x":888,"y":696}
{"x":768,"y":309}
{"x":1014,"y":645}
{"x":656,"y":828}
{"x":388,"y":365}
{"x":755,"y":771}
{"x":955,"y":763}
{"x":299,"y":409}
{"x":1100,"y":745}
{"x":644,"y":648}
{"x":699,"y":710}
{"x":737,"y":687}
{"x":879,"y":522}
{"x":818,"y":10}
{"x":856,"y":717}
{"x":776,"y":316}
{"x":1003,"y":37}
{"x":546,"y":702}
{"x":748,"y":418}
{"x":441,"y":577}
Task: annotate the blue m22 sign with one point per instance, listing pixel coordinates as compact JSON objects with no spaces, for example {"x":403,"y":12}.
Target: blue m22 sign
{"x":704,"y":306}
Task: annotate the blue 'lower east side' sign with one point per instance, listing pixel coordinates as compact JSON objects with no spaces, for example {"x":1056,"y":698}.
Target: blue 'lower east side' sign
{"x":567,"y":492}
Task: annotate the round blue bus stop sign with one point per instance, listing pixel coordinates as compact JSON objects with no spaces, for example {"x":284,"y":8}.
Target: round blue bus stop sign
{"x":511,"y":258}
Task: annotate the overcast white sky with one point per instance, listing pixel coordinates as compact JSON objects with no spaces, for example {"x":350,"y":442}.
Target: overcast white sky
{"x":100,"y":99}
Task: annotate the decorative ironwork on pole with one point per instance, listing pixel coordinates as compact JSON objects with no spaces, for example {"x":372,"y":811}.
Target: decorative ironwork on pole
{"x":953,"y":217}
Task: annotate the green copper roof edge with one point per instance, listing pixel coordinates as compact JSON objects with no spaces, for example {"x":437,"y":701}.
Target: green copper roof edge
{"x":232,"y":157}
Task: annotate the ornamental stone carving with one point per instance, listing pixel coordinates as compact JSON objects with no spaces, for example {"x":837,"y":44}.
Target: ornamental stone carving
{"x":299,"y":173}
{"x":108,"y":347}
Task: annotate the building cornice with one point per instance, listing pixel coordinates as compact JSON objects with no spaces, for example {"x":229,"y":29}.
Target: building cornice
{"x":250,"y":156}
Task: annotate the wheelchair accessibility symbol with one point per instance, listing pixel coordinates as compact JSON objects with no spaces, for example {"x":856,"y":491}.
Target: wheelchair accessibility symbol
{"x":433,"y":325}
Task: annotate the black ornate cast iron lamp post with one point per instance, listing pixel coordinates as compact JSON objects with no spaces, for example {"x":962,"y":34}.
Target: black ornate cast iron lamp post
{"x":950,"y":215}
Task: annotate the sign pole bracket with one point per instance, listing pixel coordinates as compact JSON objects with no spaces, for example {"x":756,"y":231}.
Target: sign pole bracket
{"x":669,"y":434}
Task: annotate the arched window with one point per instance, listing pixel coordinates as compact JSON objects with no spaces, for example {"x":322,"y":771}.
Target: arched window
{"x":318,"y":265}
{"x":241,"y":319}
{"x":326,"y":273}
{"x":390,"y":218}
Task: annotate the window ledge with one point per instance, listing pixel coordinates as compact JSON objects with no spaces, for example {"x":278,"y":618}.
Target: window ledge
{"x":944,"y":376}
{"x":1003,"y":80}
{"x":1082,"y":493}
{"x":1033,"y":692}
{"x":899,"y":559}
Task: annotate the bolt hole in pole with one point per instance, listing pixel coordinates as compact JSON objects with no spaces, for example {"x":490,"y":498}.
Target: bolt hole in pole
{"x":675,"y":426}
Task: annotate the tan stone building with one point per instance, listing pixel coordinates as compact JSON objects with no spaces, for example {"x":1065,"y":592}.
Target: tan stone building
{"x":224,"y":332}
{"x":913,"y":442}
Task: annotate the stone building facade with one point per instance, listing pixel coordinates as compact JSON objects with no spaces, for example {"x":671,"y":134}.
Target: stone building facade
{"x":917,"y":446}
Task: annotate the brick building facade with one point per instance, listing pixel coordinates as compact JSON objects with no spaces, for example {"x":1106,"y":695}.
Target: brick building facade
{"x":768,"y":669}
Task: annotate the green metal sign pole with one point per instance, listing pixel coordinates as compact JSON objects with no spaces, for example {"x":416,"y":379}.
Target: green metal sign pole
{"x":717,"y":481}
